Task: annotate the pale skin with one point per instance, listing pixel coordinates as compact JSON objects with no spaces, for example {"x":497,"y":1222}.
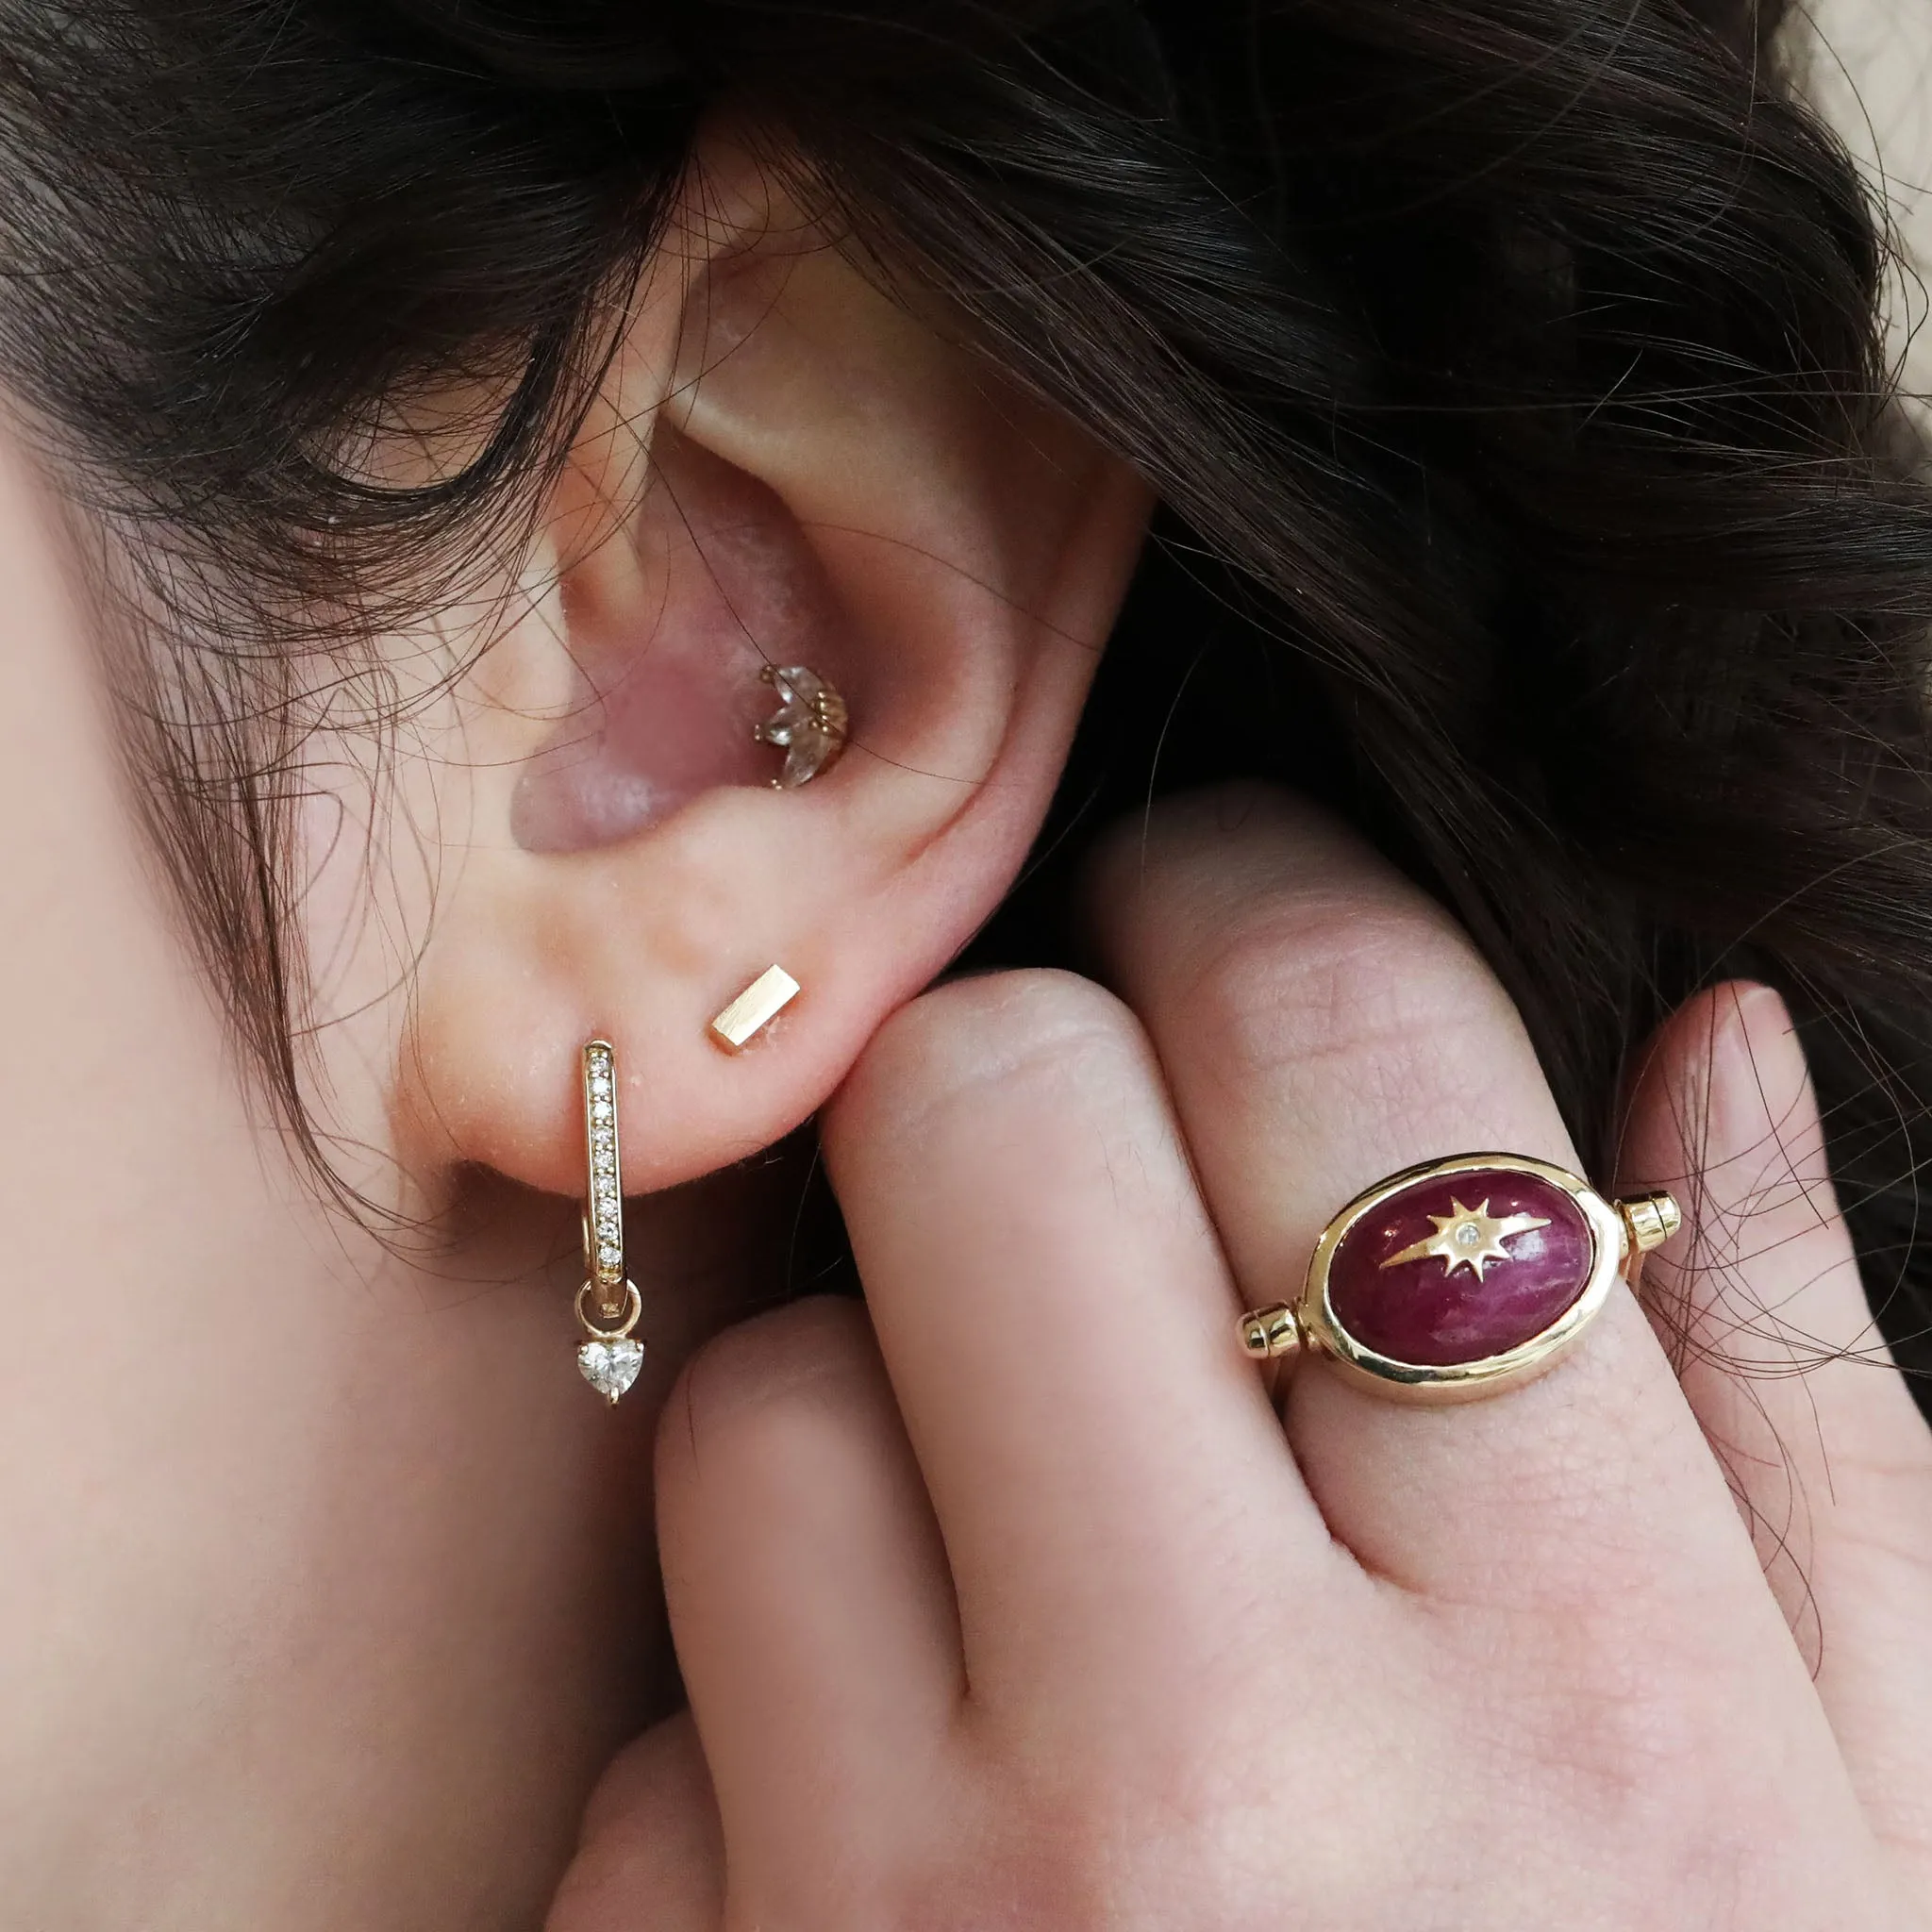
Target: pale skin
{"x":327,"y":1590}
{"x":1019,"y":1604}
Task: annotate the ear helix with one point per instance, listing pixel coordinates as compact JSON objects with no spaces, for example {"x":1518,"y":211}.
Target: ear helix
{"x":922,"y":568}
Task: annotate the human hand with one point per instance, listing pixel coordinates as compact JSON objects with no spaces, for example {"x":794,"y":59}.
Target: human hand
{"x":1020,"y":1605}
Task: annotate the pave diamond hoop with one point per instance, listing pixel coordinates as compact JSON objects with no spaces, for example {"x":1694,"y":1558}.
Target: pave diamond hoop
{"x":604,"y":1192}
{"x":610,"y":1359}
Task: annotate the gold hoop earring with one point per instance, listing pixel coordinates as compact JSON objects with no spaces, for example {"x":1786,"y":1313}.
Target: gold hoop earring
{"x":611,"y":1358}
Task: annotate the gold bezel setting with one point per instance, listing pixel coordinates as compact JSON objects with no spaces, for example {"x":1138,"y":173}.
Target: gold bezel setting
{"x":1323,"y":1330}
{"x":1620,"y":1234}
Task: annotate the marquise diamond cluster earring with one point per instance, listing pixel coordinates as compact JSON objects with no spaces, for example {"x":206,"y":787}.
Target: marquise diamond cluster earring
{"x":810,"y":724}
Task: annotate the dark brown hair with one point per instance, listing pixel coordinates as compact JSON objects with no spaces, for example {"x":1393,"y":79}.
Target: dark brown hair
{"x":1509,"y":371}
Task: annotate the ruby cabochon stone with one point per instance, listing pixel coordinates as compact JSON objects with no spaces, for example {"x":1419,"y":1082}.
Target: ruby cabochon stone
{"x":1432,"y":1315}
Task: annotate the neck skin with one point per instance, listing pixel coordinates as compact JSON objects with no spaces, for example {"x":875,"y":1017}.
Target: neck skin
{"x":327,"y":1588}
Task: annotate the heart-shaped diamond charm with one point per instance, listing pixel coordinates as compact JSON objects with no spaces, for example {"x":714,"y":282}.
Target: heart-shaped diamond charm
{"x":610,"y":1366}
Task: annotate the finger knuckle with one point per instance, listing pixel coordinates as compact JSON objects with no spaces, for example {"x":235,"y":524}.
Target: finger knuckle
{"x":758,"y":1387}
{"x":1005,"y":1030}
{"x":1126,"y":1826}
{"x":1637,"y":1725}
{"x":1366,"y":980}
{"x":1093,"y":1854}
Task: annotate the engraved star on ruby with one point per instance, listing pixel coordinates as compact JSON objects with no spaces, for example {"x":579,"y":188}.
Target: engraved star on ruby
{"x":1399,"y":1282}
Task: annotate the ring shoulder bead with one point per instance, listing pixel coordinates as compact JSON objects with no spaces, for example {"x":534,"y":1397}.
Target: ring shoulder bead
{"x":1649,"y":1222}
{"x":1270,"y":1333}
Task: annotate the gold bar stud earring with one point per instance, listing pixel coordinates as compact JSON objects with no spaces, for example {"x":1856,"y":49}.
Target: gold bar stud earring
{"x":755,"y":1008}
{"x":609,"y":1357}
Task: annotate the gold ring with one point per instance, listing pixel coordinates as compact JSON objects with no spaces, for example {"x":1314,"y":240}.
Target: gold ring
{"x":1461,"y":1277}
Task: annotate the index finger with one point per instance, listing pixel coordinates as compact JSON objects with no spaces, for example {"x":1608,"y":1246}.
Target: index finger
{"x":1054,"y":1314}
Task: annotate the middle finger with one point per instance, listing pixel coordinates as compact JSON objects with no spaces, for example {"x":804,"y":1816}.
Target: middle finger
{"x":1322,"y":1025}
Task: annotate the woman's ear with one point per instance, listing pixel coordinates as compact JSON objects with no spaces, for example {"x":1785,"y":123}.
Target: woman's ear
{"x":784,"y":468}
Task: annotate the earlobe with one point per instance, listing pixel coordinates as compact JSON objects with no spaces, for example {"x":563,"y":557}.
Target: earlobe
{"x":832,"y":483}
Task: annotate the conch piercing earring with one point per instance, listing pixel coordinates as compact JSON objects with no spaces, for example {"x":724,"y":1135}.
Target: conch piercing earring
{"x":610,"y":1359}
{"x":809,"y":725}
